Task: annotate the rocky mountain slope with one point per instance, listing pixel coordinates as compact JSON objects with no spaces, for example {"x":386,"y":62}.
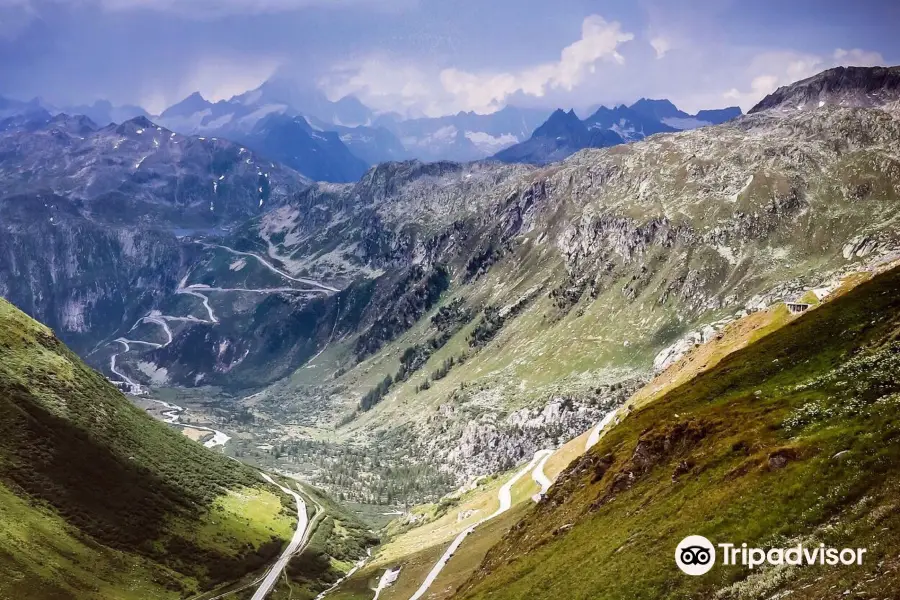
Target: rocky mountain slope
{"x":471,"y":314}
{"x":139,"y":171}
{"x":792,"y":440}
{"x":567,"y":283}
{"x":841,"y":86}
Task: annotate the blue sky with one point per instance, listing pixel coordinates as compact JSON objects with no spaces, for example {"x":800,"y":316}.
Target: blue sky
{"x":425,"y":57}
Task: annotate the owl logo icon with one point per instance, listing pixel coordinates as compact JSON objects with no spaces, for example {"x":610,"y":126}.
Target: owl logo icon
{"x":695,"y":555}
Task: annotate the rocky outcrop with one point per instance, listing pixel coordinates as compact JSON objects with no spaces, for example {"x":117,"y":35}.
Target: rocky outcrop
{"x":841,"y":86}
{"x":492,"y":442}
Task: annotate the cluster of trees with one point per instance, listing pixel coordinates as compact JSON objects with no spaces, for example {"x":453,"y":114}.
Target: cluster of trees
{"x":376,"y":394}
{"x":412,"y":297}
{"x":492,"y":321}
{"x":386,"y":473}
{"x":447,"y":320}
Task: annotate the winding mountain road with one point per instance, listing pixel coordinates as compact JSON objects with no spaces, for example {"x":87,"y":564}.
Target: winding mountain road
{"x":387,"y":578}
{"x":273,"y":268}
{"x":295,"y":544}
{"x":595,"y":433}
{"x":191,"y":292}
{"x":173,"y":415}
{"x":505,"y":497}
{"x":540,"y":477}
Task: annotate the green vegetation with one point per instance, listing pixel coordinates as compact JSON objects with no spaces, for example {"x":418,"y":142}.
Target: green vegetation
{"x":337,"y":540}
{"x":794,"y":438}
{"x":447,"y":321}
{"x":413,"y":296}
{"x":77,"y":458}
{"x":391,"y":475}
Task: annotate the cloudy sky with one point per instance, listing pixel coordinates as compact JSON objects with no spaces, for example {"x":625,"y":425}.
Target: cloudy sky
{"x":432,"y":57}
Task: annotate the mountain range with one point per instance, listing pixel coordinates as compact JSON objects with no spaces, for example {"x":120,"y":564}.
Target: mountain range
{"x":293,"y":125}
{"x":564,"y":133}
{"x":614,"y":317}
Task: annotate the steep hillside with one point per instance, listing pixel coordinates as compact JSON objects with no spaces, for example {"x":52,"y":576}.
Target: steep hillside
{"x":291,"y":141}
{"x":790,"y":440}
{"x":463,"y":316}
{"x":568,"y":283}
{"x":100,"y":501}
{"x":138,"y":172}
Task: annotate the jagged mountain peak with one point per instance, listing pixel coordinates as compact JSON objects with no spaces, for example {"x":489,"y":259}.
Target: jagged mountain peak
{"x":75,"y":124}
{"x":560,"y":123}
{"x":190,"y":105}
{"x":840,"y":86}
{"x":659,"y":109}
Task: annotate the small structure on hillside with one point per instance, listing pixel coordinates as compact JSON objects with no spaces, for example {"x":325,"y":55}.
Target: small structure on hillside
{"x":796,"y":308}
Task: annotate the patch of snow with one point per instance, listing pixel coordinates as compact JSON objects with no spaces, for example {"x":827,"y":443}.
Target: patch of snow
{"x":735,"y":197}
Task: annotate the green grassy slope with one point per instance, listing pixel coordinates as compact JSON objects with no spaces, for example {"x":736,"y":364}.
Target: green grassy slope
{"x":795,"y":438}
{"x":105,"y":502}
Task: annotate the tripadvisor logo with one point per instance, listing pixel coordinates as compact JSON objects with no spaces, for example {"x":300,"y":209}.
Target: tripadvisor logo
{"x":696,"y":555}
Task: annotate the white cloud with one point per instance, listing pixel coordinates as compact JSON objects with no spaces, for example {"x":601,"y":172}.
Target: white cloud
{"x":857,"y":58}
{"x":771,"y":70}
{"x":216,"y":78}
{"x":389,"y":85}
{"x":661,"y":45}
{"x":483,"y":92}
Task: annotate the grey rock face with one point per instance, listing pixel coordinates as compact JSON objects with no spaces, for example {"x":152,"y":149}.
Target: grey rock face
{"x":140,"y":172}
{"x":841,"y":86}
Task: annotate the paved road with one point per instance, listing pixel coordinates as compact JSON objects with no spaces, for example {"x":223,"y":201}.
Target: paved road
{"x":209,"y":310}
{"x":389,"y":577}
{"x":595,"y":433}
{"x":505,"y":497}
{"x":172,"y":417}
{"x":296,"y":542}
{"x":540,"y":477}
{"x":273,"y":268}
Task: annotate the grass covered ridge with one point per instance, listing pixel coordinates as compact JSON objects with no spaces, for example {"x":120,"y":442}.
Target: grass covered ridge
{"x":793,"y":438}
{"x":77,"y":458}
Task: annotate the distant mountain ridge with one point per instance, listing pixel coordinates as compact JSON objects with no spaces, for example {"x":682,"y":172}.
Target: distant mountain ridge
{"x":139,"y":170}
{"x":564,"y":134}
{"x":364,"y":139}
{"x":292,"y":141}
